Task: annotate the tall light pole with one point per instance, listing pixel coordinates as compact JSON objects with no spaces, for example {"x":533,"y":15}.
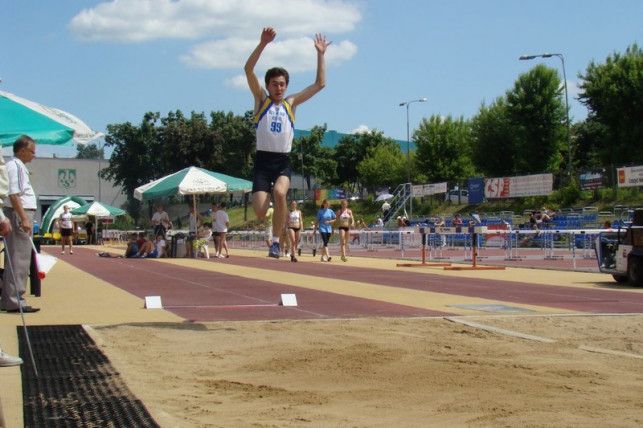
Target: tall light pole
{"x":100,"y":157}
{"x":408,"y":153}
{"x":408,"y":137}
{"x":569,"y":140}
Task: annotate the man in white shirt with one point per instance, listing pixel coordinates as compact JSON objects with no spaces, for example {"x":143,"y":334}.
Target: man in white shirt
{"x":161,"y":221}
{"x":222,"y":222}
{"x":386,"y":208}
{"x":19,"y":209}
{"x":6,"y":360}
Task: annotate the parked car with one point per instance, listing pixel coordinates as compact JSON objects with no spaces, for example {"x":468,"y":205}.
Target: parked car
{"x":452,"y":196}
{"x":620,"y":252}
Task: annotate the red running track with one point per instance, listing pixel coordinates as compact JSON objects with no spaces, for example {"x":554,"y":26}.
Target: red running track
{"x":206,"y":295}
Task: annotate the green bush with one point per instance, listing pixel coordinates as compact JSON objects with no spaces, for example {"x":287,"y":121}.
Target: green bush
{"x":567,"y":196}
{"x":124,"y":222}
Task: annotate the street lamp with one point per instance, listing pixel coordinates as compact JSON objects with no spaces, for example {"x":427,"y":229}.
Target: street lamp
{"x":408,"y":153}
{"x":100,"y":157}
{"x":408,"y":156}
{"x":569,"y":141}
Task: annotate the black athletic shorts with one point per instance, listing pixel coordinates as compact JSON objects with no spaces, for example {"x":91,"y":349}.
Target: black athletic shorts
{"x":65,"y":232}
{"x":325,"y":236}
{"x":269,"y":166}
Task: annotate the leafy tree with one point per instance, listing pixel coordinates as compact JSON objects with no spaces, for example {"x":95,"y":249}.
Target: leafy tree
{"x":613,"y":93}
{"x":89,"y":151}
{"x":185,"y":142}
{"x":350,"y":151}
{"x":537,"y":113}
{"x":384,"y":165}
{"x":591,"y":142}
{"x":318,"y":160}
{"x":225,"y":145}
{"x":492,"y":148}
{"x":236,"y":135}
{"x":134,"y":160}
{"x":443,"y":149}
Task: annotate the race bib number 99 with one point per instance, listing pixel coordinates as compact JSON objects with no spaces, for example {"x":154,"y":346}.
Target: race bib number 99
{"x":275,"y":127}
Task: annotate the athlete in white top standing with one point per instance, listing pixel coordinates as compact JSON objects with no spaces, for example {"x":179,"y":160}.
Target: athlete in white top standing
{"x":295,"y":224}
{"x":275,"y":123}
{"x":346,"y":222}
{"x":66,"y":229}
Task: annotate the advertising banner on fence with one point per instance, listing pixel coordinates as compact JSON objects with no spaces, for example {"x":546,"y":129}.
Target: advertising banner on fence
{"x":513,"y":187}
{"x":434,"y":189}
{"x":630,"y":176}
{"x":476,"y":190}
{"x":334,"y":196}
{"x":592,"y":180}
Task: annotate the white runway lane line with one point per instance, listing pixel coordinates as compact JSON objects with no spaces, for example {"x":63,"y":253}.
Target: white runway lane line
{"x":500,"y":330}
{"x":610,"y":352}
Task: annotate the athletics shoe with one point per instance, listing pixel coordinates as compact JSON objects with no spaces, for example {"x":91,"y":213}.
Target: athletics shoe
{"x":293,"y":258}
{"x":7,"y":360}
{"x":274,"y":251}
{"x":344,"y":259}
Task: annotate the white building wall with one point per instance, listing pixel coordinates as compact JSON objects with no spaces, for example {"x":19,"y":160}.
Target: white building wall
{"x":53,"y":178}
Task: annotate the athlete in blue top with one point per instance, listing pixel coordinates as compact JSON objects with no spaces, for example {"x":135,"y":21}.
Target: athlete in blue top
{"x":324,"y":223}
{"x":275,"y":124}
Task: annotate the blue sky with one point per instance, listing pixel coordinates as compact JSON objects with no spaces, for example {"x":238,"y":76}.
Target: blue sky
{"x":109,"y":62}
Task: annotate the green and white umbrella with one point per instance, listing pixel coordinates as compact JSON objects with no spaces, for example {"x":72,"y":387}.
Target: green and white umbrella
{"x":46,"y":125}
{"x":98,"y":209}
{"x":234,"y":184}
{"x":188,"y":181}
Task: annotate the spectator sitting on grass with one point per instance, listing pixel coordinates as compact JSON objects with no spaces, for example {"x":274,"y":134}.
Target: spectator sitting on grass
{"x":132,"y":247}
{"x":155,"y":249}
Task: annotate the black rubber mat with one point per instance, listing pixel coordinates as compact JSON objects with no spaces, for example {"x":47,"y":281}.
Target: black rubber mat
{"x":76,"y":384}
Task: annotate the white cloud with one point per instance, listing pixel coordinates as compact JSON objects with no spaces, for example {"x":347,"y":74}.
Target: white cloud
{"x":134,"y":21}
{"x":233,"y":28}
{"x":361,"y":129}
{"x":239,"y":81}
{"x":296,"y":55}
{"x":219,"y":53}
{"x":573,"y":88}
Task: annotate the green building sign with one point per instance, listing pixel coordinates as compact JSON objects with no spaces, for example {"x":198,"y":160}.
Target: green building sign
{"x":67,"y":178}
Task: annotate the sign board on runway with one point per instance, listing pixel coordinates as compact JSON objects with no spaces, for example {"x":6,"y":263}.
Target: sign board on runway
{"x":153,"y":302}
{"x":288,"y":300}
